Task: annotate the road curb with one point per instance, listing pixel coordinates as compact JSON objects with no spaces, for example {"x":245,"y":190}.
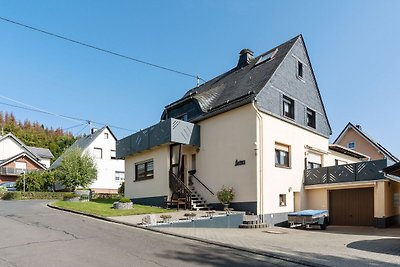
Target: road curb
{"x":220,"y":244}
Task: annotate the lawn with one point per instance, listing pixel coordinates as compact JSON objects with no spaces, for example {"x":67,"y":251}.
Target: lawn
{"x":103,"y":207}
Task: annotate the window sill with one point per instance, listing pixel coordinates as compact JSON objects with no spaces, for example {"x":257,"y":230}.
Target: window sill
{"x":300,"y":78}
{"x":282,"y":166}
{"x":282,"y":205}
{"x":289,"y":118}
{"x":143,"y":179}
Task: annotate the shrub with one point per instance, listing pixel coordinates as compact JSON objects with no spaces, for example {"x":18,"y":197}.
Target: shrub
{"x":124,"y":200}
{"x":3,"y":189}
{"x":32,"y":195}
{"x":70,"y":195}
{"x":84,"y":197}
{"x":226,"y":195}
{"x":121,"y":189}
{"x":36,"y":181}
{"x":105,"y":196}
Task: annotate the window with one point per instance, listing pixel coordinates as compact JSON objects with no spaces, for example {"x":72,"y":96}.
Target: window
{"x":288,"y":107}
{"x":20,"y":165}
{"x":310,"y":118}
{"x":351,"y":145}
{"x":119,"y":176}
{"x":183,"y":117}
{"x":314,"y":160}
{"x":105,"y":135}
{"x":299,"y":69}
{"x":282,"y":200}
{"x":282,"y":155}
{"x":113,"y":154}
{"x":97,"y":153}
{"x":144,"y":170}
{"x":267,"y":56}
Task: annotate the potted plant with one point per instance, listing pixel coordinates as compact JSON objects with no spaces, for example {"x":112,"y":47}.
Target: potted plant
{"x":225,"y":196}
{"x":123,"y":203}
{"x":165,"y":217}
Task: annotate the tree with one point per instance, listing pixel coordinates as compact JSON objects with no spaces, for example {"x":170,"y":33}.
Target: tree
{"x":76,"y":170}
{"x":37,"y":181}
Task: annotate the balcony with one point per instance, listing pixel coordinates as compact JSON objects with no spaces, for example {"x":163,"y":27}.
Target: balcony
{"x":13,"y":171}
{"x":356,"y":172}
{"x":166,"y":132}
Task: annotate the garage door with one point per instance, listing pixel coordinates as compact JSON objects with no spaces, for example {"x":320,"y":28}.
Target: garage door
{"x":352,"y":207}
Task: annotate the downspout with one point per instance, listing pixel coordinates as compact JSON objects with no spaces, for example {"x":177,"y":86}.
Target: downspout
{"x":260,"y":156}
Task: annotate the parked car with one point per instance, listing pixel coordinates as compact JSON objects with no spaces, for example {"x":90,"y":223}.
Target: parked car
{"x":11,"y":186}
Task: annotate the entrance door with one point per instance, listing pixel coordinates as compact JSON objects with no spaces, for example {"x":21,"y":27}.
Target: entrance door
{"x":175,"y":160}
{"x":352,"y":207}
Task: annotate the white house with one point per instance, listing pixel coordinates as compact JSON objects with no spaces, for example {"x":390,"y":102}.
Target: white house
{"x":17,"y":158}
{"x":100,"y":145}
{"x":260,"y":128}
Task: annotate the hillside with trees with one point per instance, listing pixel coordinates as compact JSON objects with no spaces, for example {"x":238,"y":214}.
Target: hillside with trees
{"x":36,"y":134}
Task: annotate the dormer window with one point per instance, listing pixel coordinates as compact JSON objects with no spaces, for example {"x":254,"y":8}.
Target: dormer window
{"x":299,"y":70}
{"x":288,"y":107}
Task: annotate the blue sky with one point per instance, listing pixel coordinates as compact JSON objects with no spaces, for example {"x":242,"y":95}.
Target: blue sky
{"x":353,"y":46}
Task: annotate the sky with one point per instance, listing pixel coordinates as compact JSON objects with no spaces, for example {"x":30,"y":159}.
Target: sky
{"x":353,"y":47}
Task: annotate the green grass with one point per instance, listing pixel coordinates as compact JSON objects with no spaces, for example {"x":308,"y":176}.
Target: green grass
{"x":103,"y":207}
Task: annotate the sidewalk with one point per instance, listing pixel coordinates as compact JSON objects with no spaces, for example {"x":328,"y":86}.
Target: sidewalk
{"x":337,"y":246}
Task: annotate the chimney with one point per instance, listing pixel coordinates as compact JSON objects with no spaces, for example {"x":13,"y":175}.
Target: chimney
{"x":358,"y":126}
{"x":246,"y":56}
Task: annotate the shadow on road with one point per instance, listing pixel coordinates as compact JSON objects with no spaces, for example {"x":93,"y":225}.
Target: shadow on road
{"x":390,"y":246}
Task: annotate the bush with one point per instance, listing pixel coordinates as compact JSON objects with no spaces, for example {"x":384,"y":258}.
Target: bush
{"x":36,"y":181}
{"x":121,"y":189}
{"x":106,"y":196}
{"x":225,"y":195}
{"x":124,"y":200}
{"x":70,"y":195}
{"x":17,"y":195}
{"x":3,"y":189}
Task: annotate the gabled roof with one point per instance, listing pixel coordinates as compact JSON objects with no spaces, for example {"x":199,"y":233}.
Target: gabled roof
{"x":37,"y":152}
{"x":82,"y":144}
{"x":377,"y":145}
{"x":6,"y":161}
{"x":239,"y":85}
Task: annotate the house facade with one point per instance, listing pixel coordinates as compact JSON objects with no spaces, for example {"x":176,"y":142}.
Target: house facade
{"x":16,"y":158}
{"x":100,"y":145}
{"x":257,"y":128}
{"x":353,"y":137}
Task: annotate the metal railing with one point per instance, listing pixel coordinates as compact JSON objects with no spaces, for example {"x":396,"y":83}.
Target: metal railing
{"x":192,"y":172}
{"x":177,"y":186}
{"x":361,"y":171}
{"x":14,"y":171}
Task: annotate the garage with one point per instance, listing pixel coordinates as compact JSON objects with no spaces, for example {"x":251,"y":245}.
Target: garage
{"x":352,"y":207}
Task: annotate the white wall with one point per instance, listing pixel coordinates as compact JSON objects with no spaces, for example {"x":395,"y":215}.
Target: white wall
{"x":159,"y":185}
{"x":106,"y":167}
{"x":226,"y":138}
{"x":9,"y":148}
{"x":278,"y":180}
{"x":329,"y":160}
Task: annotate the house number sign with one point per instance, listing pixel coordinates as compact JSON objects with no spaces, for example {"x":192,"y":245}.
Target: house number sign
{"x":240,"y":162}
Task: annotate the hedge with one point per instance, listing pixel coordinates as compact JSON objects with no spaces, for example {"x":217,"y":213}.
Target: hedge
{"x":18,"y":195}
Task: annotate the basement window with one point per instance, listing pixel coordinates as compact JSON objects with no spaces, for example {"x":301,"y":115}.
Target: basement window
{"x":144,"y":170}
{"x":282,"y":200}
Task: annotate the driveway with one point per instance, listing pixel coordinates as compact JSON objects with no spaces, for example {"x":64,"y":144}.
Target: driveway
{"x":337,"y":246}
{"x":34,"y":235}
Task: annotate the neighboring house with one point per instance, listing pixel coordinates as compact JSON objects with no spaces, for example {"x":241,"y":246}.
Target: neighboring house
{"x":16,"y":158}
{"x":260,"y":128}
{"x":353,"y":137}
{"x":100,"y":145}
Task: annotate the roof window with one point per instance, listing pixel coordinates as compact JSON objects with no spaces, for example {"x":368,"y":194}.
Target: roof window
{"x":267,"y":56}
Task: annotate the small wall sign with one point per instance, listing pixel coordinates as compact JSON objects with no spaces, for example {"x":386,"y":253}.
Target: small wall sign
{"x":240,"y":162}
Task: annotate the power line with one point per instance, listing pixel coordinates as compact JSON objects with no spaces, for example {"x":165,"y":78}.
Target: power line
{"x":32,"y":108}
{"x":103,"y":50}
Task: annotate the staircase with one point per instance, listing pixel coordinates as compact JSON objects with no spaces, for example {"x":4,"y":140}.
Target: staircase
{"x":197,"y":202}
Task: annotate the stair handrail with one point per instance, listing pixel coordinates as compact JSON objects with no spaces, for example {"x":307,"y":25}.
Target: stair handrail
{"x":192,"y":172}
{"x":181,"y":187}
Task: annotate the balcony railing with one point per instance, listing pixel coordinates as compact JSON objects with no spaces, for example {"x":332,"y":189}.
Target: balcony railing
{"x":14,"y":171}
{"x":361,"y":171}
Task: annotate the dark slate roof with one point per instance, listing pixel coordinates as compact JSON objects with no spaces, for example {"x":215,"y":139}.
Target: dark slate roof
{"x":393,"y":170}
{"x":370,"y":139}
{"x":40,"y":152}
{"x":238,"y":85}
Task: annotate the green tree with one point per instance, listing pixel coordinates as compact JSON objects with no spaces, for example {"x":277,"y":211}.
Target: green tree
{"x":76,"y":170}
{"x":33,"y":182}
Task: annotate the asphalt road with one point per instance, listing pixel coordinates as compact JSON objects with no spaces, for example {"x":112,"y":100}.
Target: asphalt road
{"x":31,"y":234}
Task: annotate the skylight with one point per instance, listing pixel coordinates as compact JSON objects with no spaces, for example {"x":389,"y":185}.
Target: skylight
{"x":267,"y":56}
